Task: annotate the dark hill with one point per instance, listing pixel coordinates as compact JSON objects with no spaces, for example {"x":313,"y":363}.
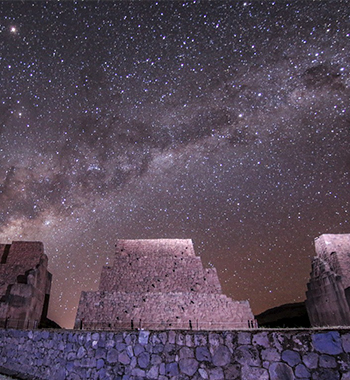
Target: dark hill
{"x":288,"y":315}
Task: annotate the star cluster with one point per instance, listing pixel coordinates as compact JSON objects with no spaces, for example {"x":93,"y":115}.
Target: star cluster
{"x":225,"y":121}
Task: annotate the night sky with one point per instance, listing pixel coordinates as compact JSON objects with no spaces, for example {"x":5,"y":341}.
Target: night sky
{"x":227,"y":122}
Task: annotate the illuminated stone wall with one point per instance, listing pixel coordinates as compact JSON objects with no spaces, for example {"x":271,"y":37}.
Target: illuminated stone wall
{"x":328,"y":294}
{"x":159,"y":284}
{"x":170,"y":355}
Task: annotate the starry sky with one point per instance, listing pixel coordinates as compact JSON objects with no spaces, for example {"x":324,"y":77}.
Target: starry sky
{"x":227,"y":122}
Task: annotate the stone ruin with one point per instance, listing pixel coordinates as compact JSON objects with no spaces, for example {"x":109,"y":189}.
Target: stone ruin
{"x":328,"y":291}
{"x":160,"y":284}
{"x":24,"y":284}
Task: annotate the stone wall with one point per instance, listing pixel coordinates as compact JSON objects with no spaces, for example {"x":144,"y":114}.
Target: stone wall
{"x":158,"y":265}
{"x":152,"y":310}
{"x":24,"y":284}
{"x":163,"y":355}
{"x":328,"y":290}
{"x":160,"y":284}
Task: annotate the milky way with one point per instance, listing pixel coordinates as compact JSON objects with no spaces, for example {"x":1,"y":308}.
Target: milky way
{"x":224,"y":122}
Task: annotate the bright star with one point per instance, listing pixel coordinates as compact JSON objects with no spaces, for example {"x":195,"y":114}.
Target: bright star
{"x":13,"y":29}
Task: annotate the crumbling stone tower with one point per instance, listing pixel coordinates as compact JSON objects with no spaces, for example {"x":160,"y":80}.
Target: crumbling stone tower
{"x":25,"y":284}
{"x":160,"y":284}
{"x":328,"y":294}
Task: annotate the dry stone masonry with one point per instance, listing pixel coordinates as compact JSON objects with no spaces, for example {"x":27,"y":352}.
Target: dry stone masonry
{"x":160,"y":284}
{"x":24,"y":284}
{"x":176,"y":355}
{"x":328,"y":294}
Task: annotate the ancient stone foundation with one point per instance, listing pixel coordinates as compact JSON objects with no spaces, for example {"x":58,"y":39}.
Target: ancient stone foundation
{"x":328,"y":294}
{"x":160,"y":284}
{"x":24,"y":284}
{"x":176,"y":355}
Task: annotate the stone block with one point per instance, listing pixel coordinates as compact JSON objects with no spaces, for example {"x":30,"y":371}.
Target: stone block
{"x":327,"y":361}
{"x":302,"y":372}
{"x":143,"y":337}
{"x":346,"y":342}
{"x":325,"y":374}
{"x":310,"y":360}
{"x":186,"y":352}
{"x":172,"y":369}
{"x":222,"y":356}
{"x":112,"y":356}
{"x":143,"y":360}
{"x":216,"y":374}
{"x":124,"y":358}
{"x":153,"y":372}
{"x":270,"y":354}
{"x":254,"y":373}
{"x":244,"y":338}
{"x":261,"y":339}
{"x":292,"y":358}
{"x":280,"y":371}
{"x":203,"y":354}
{"x":247,"y":355}
{"x":188,"y":366}
{"x":327,"y":343}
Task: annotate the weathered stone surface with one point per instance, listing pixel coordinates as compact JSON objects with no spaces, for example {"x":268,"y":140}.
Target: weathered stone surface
{"x":325,"y":374}
{"x":186,"y":352}
{"x":222,"y":356}
{"x":233,"y":372}
{"x":302,"y":372}
{"x":346,"y":342}
{"x":25,"y":285}
{"x":280,"y":371}
{"x":203,"y":354}
{"x":188,"y":366}
{"x":292,"y":358}
{"x":327,"y":361}
{"x":153,"y":372}
{"x":151,"y":284}
{"x":261,"y":339}
{"x":143,"y":337}
{"x":216,"y":374}
{"x":112,"y":356}
{"x":81,"y":352}
{"x":327,"y":343}
{"x":245,"y":338}
{"x":247,"y":355}
{"x":124,"y":358}
{"x":172,"y":369}
{"x":254,"y":373}
{"x":310,"y":360}
{"x":143,"y":359}
{"x":282,"y":360}
{"x":270,"y":354}
{"x":203,"y":373}
{"x":327,"y":300}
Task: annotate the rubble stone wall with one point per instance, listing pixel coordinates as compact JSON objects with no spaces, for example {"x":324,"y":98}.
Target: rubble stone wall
{"x":163,"y":311}
{"x":163,"y":355}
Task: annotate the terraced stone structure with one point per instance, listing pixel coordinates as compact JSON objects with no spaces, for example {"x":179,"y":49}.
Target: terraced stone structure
{"x":160,"y":284}
{"x":25,"y":284}
{"x":328,"y":294}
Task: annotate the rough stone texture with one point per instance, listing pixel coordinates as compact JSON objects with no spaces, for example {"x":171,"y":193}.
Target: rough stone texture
{"x":328,"y":294}
{"x":160,"y":284}
{"x":25,"y":284}
{"x":165,"y":355}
